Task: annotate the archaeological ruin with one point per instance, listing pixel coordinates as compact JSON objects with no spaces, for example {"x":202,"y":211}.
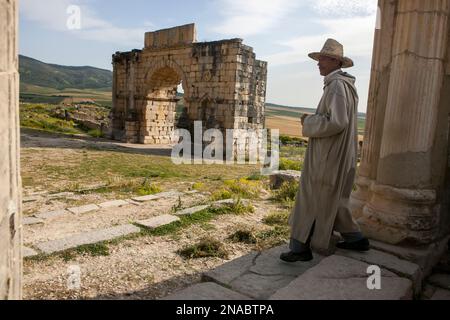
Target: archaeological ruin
{"x":403,"y":185}
{"x":224,"y":87}
{"x":10,"y":186}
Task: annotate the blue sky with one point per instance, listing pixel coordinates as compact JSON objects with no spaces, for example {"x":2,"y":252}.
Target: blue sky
{"x":281,"y":32}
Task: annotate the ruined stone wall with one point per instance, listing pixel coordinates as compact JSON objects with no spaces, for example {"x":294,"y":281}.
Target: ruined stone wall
{"x":224,"y":86}
{"x":10,"y":219}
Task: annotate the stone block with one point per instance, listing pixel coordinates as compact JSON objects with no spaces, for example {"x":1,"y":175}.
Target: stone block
{"x":206,"y":291}
{"x":113,"y":204}
{"x":158,"y":221}
{"x":28,"y":221}
{"x":192,"y":210}
{"x":85,"y":238}
{"x":52,"y":214}
{"x":341,"y":278}
{"x":84,"y":209}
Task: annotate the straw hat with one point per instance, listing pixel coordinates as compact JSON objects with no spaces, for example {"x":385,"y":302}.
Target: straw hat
{"x":333,"y":49}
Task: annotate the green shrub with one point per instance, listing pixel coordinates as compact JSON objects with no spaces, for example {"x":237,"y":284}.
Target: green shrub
{"x":207,"y":247}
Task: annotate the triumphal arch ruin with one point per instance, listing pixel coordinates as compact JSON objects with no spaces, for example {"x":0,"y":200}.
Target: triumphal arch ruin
{"x":224,"y":86}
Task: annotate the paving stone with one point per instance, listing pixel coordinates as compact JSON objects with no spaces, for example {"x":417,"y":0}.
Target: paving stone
{"x":206,"y":291}
{"x":28,"y":252}
{"x":157,"y":196}
{"x":30,"y":199}
{"x":52,"y":214}
{"x":87,"y":238}
{"x":59,"y":195}
{"x":28,"y":221}
{"x":269,"y":263}
{"x":341,"y":278}
{"x":441,"y":280}
{"x":229,"y":271}
{"x":84,"y":209}
{"x":192,"y":210}
{"x":113,"y":204}
{"x":441,"y":294}
{"x":259,"y":287}
{"x":388,"y":261}
{"x":158,"y":221}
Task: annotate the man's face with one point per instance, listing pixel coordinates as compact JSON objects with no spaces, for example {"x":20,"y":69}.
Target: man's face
{"x":328,"y":65}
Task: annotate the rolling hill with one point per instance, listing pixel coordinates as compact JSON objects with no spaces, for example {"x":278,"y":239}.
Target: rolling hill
{"x":37,"y":73}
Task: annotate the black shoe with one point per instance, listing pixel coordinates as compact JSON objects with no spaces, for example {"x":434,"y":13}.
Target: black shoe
{"x":295,"y":257}
{"x":361,"y":245}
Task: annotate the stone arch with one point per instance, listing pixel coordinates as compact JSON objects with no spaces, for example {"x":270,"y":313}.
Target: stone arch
{"x":158,"y":110}
{"x":166,"y":63}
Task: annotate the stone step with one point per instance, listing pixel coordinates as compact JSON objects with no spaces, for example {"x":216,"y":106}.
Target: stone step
{"x":206,"y":291}
{"x":341,"y":278}
{"x":90,"y":237}
{"x":389,"y":262}
{"x":259,"y":275}
{"x":158,"y":221}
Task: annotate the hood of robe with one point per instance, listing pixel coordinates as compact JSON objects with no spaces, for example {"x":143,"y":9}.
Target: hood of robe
{"x":344,"y":76}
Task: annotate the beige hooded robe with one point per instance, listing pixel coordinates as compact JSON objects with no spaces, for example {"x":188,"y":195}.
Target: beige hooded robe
{"x":330,"y":165}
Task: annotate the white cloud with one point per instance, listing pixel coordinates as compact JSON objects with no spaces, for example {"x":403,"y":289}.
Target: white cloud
{"x":53,"y":14}
{"x":344,"y":8}
{"x":250,"y":17}
{"x":356,"y":34}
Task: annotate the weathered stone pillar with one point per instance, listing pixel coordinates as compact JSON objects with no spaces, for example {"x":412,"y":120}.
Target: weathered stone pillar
{"x":10,"y":219}
{"x":409,"y":158}
{"x":379,"y":82}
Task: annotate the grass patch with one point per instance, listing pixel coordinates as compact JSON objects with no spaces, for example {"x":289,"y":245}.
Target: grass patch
{"x":221,"y":194}
{"x":96,"y":133}
{"x":94,"y":250}
{"x":238,"y":207}
{"x":287,"y":164}
{"x":277,"y":218}
{"x":243,"y":236}
{"x":206,"y":248}
{"x":148,"y":188}
{"x":287,"y":193}
{"x":273,"y":237}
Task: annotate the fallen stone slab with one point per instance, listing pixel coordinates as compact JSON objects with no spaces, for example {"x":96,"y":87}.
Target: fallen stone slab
{"x":28,"y":252}
{"x":52,"y":214}
{"x":441,"y":280}
{"x":206,"y":291}
{"x":341,"y":278}
{"x":113,"y":204}
{"x":84,"y":209}
{"x":90,"y":237}
{"x":389,"y":262}
{"x":30,"y":199}
{"x":28,"y":221}
{"x":441,"y":294}
{"x":192,"y":210}
{"x":157,"y":196}
{"x":59,"y":195}
{"x":158,"y":221}
{"x":279,"y":177}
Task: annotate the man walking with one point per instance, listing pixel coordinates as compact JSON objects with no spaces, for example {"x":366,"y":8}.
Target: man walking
{"x":322,"y":203}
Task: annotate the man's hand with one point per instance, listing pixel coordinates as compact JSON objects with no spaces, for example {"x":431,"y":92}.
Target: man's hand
{"x":303,"y":119}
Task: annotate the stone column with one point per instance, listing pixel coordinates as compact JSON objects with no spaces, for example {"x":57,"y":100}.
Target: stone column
{"x":379,"y":82}
{"x":10,"y":186}
{"x":403,"y":206}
